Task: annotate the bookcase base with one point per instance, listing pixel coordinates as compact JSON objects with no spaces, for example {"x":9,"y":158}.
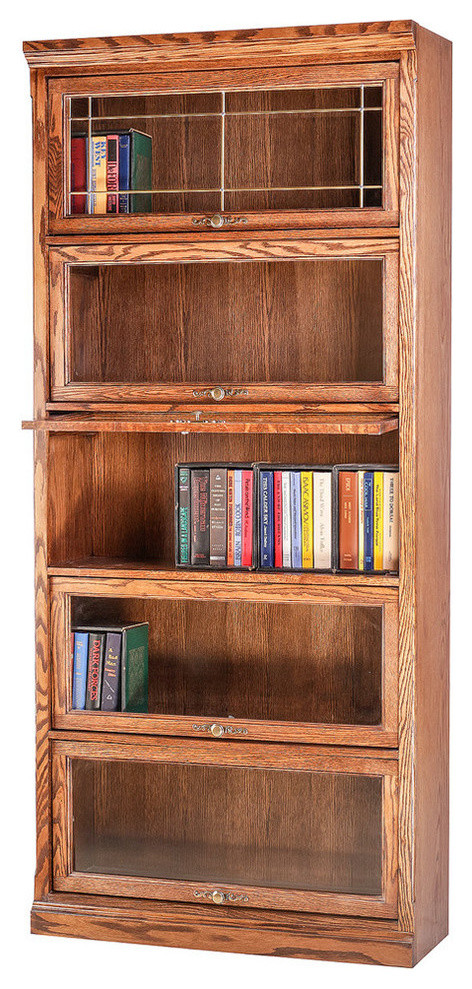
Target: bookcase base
{"x":257,"y":932}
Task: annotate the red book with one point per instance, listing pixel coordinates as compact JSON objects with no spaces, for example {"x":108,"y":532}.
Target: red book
{"x":278,"y":555}
{"x":112,"y":172}
{"x":348,"y":520}
{"x":78,"y":173}
{"x":246,"y":485}
{"x":230,"y":523}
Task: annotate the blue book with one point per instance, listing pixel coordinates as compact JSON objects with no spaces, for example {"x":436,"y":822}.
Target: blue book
{"x":267,"y":518}
{"x":124,"y":170}
{"x":238,"y":518}
{"x":79,"y":675}
{"x":296,"y":519}
{"x":368,"y":520}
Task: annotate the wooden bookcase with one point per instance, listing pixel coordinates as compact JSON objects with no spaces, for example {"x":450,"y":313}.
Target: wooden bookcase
{"x":284,"y":298}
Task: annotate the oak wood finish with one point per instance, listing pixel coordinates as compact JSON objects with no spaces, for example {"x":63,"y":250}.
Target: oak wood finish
{"x":103,"y":494}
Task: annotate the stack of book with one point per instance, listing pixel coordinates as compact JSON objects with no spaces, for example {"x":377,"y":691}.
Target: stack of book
{"x":103,"y":171}
{"x":110,"y":668}
{"x":214,"y":515}
{"x":368,"y":519}
{"x":295,"y":519}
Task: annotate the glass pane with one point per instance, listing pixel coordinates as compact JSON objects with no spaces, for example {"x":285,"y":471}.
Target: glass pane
{"x":251,"y":150}
{"x":272,"y":828}
{"x":219,"y":660}
{"x":315,"y":320}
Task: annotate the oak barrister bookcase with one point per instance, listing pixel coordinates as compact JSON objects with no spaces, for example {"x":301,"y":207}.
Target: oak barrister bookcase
{"x":279,"y":293}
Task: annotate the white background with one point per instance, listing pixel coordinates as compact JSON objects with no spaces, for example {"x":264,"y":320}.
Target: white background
{"x":54,"y":961}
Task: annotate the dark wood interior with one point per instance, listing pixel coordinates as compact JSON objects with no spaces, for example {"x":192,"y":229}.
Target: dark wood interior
{"x":284,"y":829}
{"x":319,"y":664}
{"x":112,"y":494}
{"x":316,"y":320}
{"x":277,"y":155}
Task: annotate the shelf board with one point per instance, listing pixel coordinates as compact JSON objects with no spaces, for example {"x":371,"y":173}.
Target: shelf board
{"x":107,"y":567}
{"x":353,"y":423}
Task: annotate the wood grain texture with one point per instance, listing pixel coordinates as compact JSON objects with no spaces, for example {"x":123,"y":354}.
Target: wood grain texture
{"x":204,"y":926}
{"x":208,"y":422}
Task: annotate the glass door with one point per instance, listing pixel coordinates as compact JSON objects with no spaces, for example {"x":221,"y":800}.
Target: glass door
{"x":225,"y":149}
{"x":248,"y":826}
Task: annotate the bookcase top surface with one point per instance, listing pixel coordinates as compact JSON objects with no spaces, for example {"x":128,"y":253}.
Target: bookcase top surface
{"x":320,"y":42}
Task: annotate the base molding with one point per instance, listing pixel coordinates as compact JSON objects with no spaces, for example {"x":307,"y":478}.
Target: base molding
{"x":258,"y":932}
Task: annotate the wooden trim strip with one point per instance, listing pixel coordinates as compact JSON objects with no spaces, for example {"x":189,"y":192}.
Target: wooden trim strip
{"x":207,"y":422}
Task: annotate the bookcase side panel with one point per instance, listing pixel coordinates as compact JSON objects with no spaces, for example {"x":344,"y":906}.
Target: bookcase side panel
{"x":433,"y":431}
{"x":41,"y":447}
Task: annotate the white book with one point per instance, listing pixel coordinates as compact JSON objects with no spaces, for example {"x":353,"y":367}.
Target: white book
{"x":286,"y":521}
{"x":322,"y":520}
{"x":390,"y":521}
{"x":360,"y":526}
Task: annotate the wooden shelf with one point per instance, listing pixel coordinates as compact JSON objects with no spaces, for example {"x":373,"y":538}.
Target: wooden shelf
{"x":207,"y":422}
{"x":107,"y":567}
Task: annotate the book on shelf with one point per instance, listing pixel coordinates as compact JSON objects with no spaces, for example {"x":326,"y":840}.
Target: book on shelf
{"x":278,"y":517}
{"x":115,"y":661}
{"x":118,"y":168}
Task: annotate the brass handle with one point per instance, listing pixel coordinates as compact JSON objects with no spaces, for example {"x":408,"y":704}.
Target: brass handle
{"x":217,"y":220}
{"x":217,"y":896}
{"x":217,"y":394}
{"x":217,"y":730}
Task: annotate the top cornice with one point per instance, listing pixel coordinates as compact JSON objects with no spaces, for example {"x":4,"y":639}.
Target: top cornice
{"x":383,"y":39}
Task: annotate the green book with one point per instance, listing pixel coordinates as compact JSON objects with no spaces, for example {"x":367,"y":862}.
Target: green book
{"x":141,"y":171}
{"x":134,"y":667}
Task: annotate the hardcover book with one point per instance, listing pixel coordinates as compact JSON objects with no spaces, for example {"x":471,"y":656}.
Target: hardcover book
{"x":378,"y":520}
{"x":368,"y":520}
{"x":134,"y":667}
{"x":390,"y":521}
{"x":98,"y":179}
{"x":200,"y":517}
{"x":322,"y":508}
{"x":238,"y":518}
{"x":360,"y":524}
{"x":78,"y":173}
{"x":286,"y":520}
{"x":278,"y":552}
{"x":296,"y":513}
{"x":111,"y":672}
{"x":112,"y":173}
{"x":79,"y":671}
{"x":184,"y":515}
{"x":306,"y":479}
{"x":247,"y":521}
{"x":230,"y":541}
{"x":96,"y":648}
{"x":124,"y":171}
{"x":141,"y":172}
{"x":348,"y":520}
{"x":267,"y":518}
{"x":217,"y":517}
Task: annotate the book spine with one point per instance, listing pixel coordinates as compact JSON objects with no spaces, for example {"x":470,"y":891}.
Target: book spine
{"x":78,"y":173}
{"x":230,"y":543}
{"x":141,"y":172}
{"x":79,"y":671}
{"x":238,"y":518}
{"x":368,"y":520}
{"x":124,"y":144}
{"x":286,"y":520}
{"x":296,"y":506}
{"x":95,"y":669}
{"x":217,"y":517}
{"x":111,"y":672}
{"x":134,"y":668}
{"x":278,"y":520}
{"x":378,"y":520}
{"x":98,"y":183}
{"x":391,"y":521}
{"x":348,"y":520}
{"x":247,"y":510}
{"x":306,"y":479}
{"x":184,"y":515}
{"x":267,"y":518}
{"x":200,"y":517}
{"x":322,"y":536}
{"x":112,"y":173}
{"x":360,"y":524}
